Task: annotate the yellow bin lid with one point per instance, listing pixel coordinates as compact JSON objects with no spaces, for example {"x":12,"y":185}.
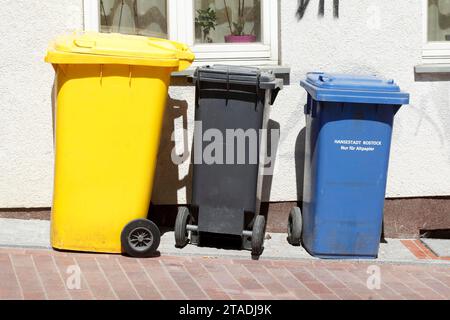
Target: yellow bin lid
{"x":114,"y":48}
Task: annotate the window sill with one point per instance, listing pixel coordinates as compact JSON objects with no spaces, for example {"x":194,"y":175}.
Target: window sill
{"x":434,"y":68}
{"x":281,"y":72}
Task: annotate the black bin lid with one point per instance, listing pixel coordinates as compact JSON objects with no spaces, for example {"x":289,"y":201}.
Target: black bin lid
{"x":238,"y":75}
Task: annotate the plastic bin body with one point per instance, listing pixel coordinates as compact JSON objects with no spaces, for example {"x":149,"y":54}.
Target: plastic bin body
{"x":108,"y":123}
{"x":226,"y":194}
{"x":348,"y":139}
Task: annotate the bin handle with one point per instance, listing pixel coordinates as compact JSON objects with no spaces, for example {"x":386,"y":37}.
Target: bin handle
{"x":197,"y":88}
{"x":228,"y":89}
{"x":307,"y":107}
{"x":101,"y":75}
{"x":274,"y":95}
{"x":129,"y":76}
{"x":228,"y":86}
{"x":258,"y":83}
{"x":324,"y":78}
{"x":314,"y":106}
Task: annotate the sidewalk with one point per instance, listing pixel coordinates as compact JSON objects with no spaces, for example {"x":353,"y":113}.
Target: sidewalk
{"x":47,"y":274}
{"x":36,"y":234}
{"x":406,"y":269}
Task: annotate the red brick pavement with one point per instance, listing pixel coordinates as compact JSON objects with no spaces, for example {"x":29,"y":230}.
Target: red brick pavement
{"x":43,"y":274}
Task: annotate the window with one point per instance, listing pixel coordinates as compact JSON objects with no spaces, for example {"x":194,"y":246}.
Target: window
{"x":235,"y":20}
{"x":147,"y":18}
{"x":437,"y":35}
{"x":231,"y":31}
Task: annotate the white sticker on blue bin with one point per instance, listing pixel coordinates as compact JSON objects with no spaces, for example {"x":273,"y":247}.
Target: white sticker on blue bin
{"x":358,"y":145}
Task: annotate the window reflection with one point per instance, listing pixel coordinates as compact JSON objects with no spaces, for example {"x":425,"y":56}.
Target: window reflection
{"x":139,"y":17}
{"x":438,"y":20}
{"x":220,"y":21}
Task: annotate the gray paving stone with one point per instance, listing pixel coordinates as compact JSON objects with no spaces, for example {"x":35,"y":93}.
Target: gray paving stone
{"x":278,"y":248}
{"x":36,"y":233}
{"x":25,"y":233}
{"x":394,"y":250}
{"x":440,"y":247}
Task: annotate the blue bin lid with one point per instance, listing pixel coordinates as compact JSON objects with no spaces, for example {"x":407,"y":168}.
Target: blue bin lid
{"x":353,"y":89}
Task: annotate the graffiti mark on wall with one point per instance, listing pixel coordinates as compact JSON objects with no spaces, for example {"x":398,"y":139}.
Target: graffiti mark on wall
{"x":304,"y":4}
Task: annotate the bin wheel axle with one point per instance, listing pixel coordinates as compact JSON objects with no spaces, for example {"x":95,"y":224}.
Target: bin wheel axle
{"x":140,"y":238}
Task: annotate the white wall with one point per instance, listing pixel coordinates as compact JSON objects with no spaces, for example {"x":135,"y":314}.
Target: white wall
{"x":381,"y":37}
{"x":26,"y":149}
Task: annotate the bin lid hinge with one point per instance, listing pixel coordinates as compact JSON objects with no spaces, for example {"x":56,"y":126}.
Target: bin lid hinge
{"x":197,"y":89}
{"x":228,"y":87}
{"x":258,"y":83}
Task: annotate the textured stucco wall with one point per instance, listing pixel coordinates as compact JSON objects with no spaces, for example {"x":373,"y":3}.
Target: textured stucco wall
{"x":381,"y":37}
{"x":26,"y":147}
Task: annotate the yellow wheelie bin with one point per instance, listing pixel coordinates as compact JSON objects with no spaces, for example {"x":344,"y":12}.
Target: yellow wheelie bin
{"x":111,"y":92}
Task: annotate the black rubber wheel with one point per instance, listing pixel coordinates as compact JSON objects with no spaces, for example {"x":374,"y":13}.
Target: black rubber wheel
{"x":258,"y":233}
{"x":295,"y":226}
{"x":181,"y":233}
{"x":140,"y":238}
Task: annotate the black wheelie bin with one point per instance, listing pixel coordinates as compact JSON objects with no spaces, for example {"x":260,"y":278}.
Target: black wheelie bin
{"x":232,"y":108}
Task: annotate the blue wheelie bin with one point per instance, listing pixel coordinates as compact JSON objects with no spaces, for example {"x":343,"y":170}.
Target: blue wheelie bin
{"x":349,"y":123}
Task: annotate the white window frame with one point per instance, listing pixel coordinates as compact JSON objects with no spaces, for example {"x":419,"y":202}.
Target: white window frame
{"x":433,"y":51}
{"x":181,"y":28}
